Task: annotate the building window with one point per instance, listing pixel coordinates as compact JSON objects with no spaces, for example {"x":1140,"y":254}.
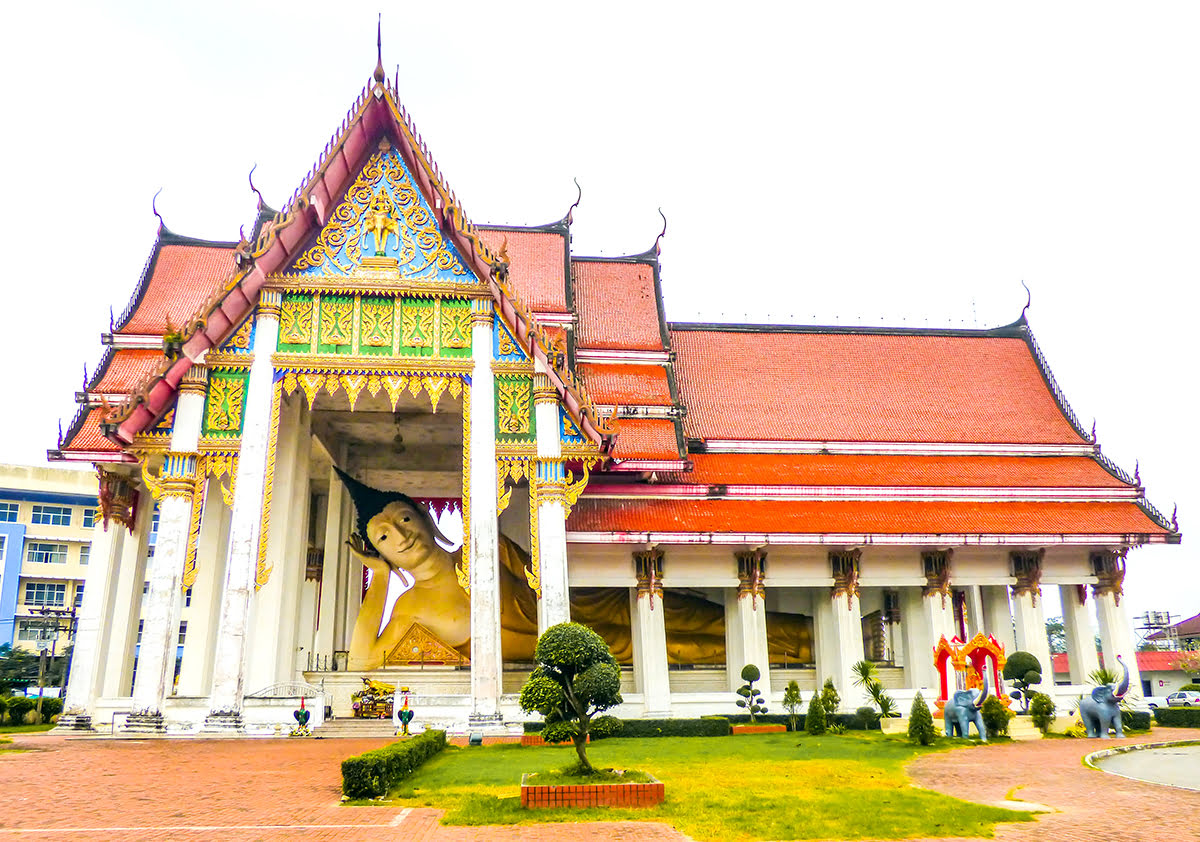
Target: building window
{"x":85,"y":553}
{"x":182,"y":632}
{"x":141,"y":625}
{"x":8,"y":512}
{"x":145,"y":588}
{"x":44,"y":553}
{"x":78,"y":596}
{"x":187,"y":599}
{"x":154,"y":525}
{"x":29,"y":632}
{"x":52,"y":515}
{"x":45,"y":593}
{"x":89,"y":518}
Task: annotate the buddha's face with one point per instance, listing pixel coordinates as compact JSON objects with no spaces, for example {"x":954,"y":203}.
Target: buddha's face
{"x":401,"y":534}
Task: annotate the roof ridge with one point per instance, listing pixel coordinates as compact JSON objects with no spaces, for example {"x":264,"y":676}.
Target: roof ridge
{"x":1013,"y":330}
{"x":1056,"y":391}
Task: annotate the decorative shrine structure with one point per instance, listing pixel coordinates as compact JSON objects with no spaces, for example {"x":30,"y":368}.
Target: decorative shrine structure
{"x":964,"y":665}
{"x":703,"y":495}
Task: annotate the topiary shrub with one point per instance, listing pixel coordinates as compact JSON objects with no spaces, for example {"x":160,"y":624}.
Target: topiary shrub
{"x":576,"y":677}
{"x":1135,"y":720}
{"x":869,"y":717}
{"x":50,"y":707}
{"x":920,"y":723}
{"x":814,"y":721}
{"x":372,"y":774}
{"x":18,"y":706}
{"x":1022,"y":670}
{"x":605,"y":726}
{"x":751,"y":699}
{"x":830,"y":699}
{"x":708,"y":726}
{"x":792,"y":702}
{"x":996,"y":717}
{"x":1041,"y":711}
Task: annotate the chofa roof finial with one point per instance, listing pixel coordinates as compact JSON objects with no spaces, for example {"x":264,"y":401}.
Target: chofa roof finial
{"x":154,"y":207}
{"x":570,"y":217}
{"x":1028,"y":300}
{"x":250,"y":178}
{"x":662,"y":233}
{"x":379,"y":74}
{"x":1174,"y":518}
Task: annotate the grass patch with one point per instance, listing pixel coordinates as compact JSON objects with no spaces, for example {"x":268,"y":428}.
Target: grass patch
{"x":25,"y":729}
{"x":571,"y":776}
{"x":769,"y":786}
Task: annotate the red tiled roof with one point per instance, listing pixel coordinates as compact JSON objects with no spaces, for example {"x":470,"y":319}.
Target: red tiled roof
{"x":864,"y":387}
{"x":1184,"y":628}
{"x":860,"y":518}
{"x":1146,"y":661}
{"x":627,"y":385}
{"x":617,"y":305}
{"x":641,"y":438}
{"x":537,"y":261}
{"x":127,"y":368}
{"x":880,"y":470}
{"x":184,"y":276}
{"x":89,"y":436}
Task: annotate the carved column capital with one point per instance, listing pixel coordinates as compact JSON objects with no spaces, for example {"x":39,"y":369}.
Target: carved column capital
{"x":844,"y":566}
{"x":648,"y":567}
{"x":1027,"y":569}
{"x":195,"y":381}
{"x":752,"y":570}
{"x":935,"y":564}
{"x":118,"y":497}
{"x":1109,"y":569}
{"x":270,"y":302}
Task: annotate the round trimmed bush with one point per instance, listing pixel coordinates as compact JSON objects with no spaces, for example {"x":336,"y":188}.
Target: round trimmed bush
{"x":605,"y":726}
{"x":18,"y":706}
{"x":869,"y":717}
{"x":571,"y":645}
{"x":751,"y":673}
{"x":1041,"y":711}
{"x":996,"y":717}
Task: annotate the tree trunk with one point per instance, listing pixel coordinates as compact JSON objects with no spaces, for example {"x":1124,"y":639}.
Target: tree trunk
{"x":581,"y":750}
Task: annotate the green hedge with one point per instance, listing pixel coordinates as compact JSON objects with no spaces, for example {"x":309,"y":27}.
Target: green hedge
{"x":718,"y":726}
{"x":374,"y":773}
{"x":1177,"y":717}
{"x":1136,"y":720}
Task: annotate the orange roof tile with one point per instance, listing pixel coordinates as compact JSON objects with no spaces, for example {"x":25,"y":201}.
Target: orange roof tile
{"x":89,"y":437}
{"x":126,"y":368}
{"x":537,"y":263}
{"x":865,"y":387}
{"x":861,"y":518}
{"x":880,"y":470}
{"x":182,"y":278}
{"x":643,"y":438}
{"x":627,"y":385}
{"x":617,"y":305}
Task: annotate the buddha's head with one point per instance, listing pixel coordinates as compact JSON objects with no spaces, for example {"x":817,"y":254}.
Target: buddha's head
{"x":404,"y":533}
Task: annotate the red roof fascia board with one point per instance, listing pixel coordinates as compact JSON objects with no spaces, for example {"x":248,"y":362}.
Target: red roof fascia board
{"x":1146,"y":661}
{"x":646,"y":438}
{"x":536,"y":263}
{"x":860,"y":518}
{"x":627,"y":385}
{"x":898,"y":470}
{"x":618,"y":305}
{"x":860,"y":386}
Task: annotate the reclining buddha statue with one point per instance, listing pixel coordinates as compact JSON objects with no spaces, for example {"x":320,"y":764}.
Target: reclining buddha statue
{"x":395,"y":533}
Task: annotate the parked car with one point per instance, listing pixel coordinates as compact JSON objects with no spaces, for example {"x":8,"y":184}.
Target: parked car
{"x":1156,"y":702}
{"x":1184,"y":699}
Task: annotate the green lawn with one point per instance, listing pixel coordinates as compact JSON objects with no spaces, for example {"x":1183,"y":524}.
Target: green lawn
{"x":770,"y":786}
{"x":25,"y":729}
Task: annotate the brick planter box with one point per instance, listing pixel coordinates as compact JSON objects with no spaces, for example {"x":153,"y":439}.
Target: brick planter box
{"x":536,"y":740}
{"x":757,"y":729}
{"x":592,"y":795}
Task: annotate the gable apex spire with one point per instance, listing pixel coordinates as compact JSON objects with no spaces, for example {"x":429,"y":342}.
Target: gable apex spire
{"x":379,"y":74}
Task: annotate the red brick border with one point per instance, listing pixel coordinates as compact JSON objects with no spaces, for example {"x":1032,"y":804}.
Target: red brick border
{"x":536,"y":740}
{"x":592,"y":795}
{"x":757,"y":729}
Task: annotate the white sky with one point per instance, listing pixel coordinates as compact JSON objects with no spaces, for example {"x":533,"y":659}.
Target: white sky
{"x":846,"y":163}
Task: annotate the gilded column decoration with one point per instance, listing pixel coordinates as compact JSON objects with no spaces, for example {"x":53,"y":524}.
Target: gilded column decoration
{"x":118,"y":498}
{"x":1109,"y":567}
{"x":513,"y":399}
{"x":844,"y":564}
{"x":534,"y":575}
{"x":376,"y":321}
{"x":648,"y":567}
{"x":752,"y":570}
{"x":1027,"y":568}
{"x":296,"y":320}
{"x":936,"y":566}
{"x":263,"y":573}
{"x":463,"y":571}
{"x":199,"y":490}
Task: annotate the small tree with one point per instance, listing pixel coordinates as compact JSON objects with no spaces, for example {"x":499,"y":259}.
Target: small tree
{"x":576,"y":677}
{"x":792,"y":702}
{"x":751,"y":700}
{"x":920,"y":723}
{"x":18,"y":706}
{"x":866,"y":676}
{"x":996,"y":717}
{"x":830,"y":698}
{"x":1041,"y":711}
{"x":1023,"y":670}
{"x":814,"y":721}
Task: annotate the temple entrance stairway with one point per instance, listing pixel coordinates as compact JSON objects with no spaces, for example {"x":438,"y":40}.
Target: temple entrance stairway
{"x":351,"y":727}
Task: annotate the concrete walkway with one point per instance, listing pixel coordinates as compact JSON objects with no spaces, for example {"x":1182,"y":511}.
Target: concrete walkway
{"x":289,"y":789}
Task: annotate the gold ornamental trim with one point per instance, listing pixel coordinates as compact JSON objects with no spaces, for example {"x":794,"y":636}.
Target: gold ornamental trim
{"x":522,"y":368}
{"x":463,"y":570}
{"x":376,"y":284}
{"x":199,"y":494}
{"x":226,"y":361}
{"x":262,"y":573}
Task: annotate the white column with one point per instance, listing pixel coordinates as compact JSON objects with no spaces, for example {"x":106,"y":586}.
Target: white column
{"x":195,"y":674}
{"x":845,"y":617}
{"x":649,"y":630}
{"x":555,"y":604}
{"x":92,"y":628}
{"x":998,"y":616}
{"x":484,"y":551}
{"x":746,"y":622}
{"x":163,"y":602}
{"x":296,"y":560}
{"x":919,"y":669}
{"x":225,"y":708}
{"x":118,"y":655}
{"x":1031,"y":630}
{"x":269,"y":611}
{"x":327,"y":613}
{"x":1116,"y":638}
{"x":1077,"y":626}
{"x":975,"y":617}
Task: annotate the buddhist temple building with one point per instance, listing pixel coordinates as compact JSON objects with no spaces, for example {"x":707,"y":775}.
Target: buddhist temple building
{"x":374,"y":438}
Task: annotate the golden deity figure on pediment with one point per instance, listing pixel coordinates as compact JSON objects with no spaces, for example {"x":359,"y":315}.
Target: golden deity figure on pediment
{"x":380,"y":220}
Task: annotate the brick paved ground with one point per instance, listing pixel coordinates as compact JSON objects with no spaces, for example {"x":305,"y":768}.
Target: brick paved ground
{"x":289,"y":789}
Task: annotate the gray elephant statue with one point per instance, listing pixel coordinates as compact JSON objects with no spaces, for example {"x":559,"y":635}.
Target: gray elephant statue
{"x":1103,"y":709}
{"x":962,"y":709}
